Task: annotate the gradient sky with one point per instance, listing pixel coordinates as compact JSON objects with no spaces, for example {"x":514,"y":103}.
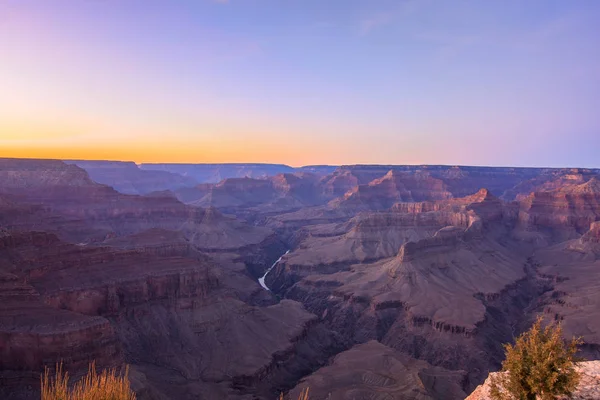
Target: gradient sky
{"x":302,"y":81}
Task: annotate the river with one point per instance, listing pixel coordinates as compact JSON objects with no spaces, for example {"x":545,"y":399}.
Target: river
{"x":261,"y":280}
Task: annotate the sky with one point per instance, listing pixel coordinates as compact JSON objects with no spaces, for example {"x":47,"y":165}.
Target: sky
{"x":495,"y":82}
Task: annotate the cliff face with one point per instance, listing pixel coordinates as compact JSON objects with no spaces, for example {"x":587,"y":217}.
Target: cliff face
{"x":549,"y":180}
{"x":588,"y":388}
{"x":23,"y":174}
{"x":459,"y":180}
{"x":33,"y":333}
{"x":566,"y":212}
{"x":128,"y":303}
{"x":393,"y":187}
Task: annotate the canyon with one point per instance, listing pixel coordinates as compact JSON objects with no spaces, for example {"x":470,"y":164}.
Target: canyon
{"x":245,"y":281}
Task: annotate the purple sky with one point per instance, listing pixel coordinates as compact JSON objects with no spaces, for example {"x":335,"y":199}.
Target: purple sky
{"x":302,"y":82}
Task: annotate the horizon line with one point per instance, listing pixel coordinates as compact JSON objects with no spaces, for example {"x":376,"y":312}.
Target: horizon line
{"x":301,"y":166}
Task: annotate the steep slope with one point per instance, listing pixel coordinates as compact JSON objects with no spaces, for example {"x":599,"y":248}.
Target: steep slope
{"x":562,"y":213}
{"x":574,"y":269}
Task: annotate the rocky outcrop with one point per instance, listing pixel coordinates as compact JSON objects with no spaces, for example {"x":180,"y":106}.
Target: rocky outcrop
{"x":339,"y":182}
{"x":27,"y":176}
{"x":564,"y":212}
{"x":593,"y":235}
{"x":549,"y":180}
{"x":459,"y":180}
{"x":393,"y":187}
{"x":588,"y":388}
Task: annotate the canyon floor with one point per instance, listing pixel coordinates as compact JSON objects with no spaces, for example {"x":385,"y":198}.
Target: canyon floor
{"x":246,"y":281}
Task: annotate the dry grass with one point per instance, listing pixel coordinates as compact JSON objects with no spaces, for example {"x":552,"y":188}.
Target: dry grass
{"x":108,"y":385}
{"x":303,"y":395}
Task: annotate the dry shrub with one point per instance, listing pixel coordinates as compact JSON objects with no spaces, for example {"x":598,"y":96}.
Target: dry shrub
{"x":540,"y":366}
{"x":108,"y":385}
{"x":303,"y":395}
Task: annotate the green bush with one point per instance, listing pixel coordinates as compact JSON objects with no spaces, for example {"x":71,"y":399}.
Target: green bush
{"x":540,"y":366}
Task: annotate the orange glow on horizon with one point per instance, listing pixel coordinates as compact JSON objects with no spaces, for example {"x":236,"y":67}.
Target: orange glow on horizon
{"x":157,"y":153}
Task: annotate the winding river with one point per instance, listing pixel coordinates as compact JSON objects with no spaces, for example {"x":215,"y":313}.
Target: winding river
{"x":261,"y":280}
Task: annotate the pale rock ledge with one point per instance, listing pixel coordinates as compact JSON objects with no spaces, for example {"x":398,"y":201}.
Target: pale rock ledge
{"x":588,"y":388}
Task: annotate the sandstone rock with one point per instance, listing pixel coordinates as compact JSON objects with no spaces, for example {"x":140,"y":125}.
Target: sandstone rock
{"x":588,"y":388}
{"x":393,"y":187}
{"x":565,"y":212}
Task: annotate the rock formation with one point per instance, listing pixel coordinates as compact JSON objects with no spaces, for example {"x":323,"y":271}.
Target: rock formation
{"x":400,"y":281}
{"x":564,"y":212}
{"x":588,"y":388}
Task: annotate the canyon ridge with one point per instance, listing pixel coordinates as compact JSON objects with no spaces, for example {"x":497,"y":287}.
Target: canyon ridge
{"x":244,"y":281}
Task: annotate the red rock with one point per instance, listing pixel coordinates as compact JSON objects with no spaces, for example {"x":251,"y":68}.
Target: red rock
{"x":566,"y":211}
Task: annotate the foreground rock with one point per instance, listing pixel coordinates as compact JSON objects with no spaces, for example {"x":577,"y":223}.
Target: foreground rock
{"x":588,"y":388}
